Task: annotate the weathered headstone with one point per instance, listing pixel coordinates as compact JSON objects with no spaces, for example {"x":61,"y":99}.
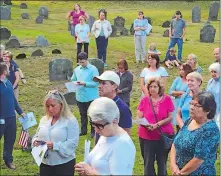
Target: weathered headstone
{"x":39,"y":20}
{"x":196,"y":14}
{"x":98,"y":63}
{"x":207,"y":34}
{"x":25,"y":15}
{"x":69,"y":26}
{"x":124,"y":32}
{"x":5,"y":33}
{"x":5,"y":2}
{"x":207,"y":23}
{"x":13,"y":37}
{"x":114,"y":31}
{"x":166,"y":33}
{"x":5,"y":13}
{"x":166,"y":24}
{"x":119,"y":23}
{"x":13,"y":43}
{"x":21,"y":56}
{"x":23,"y":6}
{"x":70,"y":98}
{"x":56,"y":51}
{"x":90,"y":21}
{"x":149,"y":20}
{"x":43,"y":11}
{"x":37,"y":53}
{"x":41,"y":41}
{"x":60,"y":69}
{"x":213,"y":11}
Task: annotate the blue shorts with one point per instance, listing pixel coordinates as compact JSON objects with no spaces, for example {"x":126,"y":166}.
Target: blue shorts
{"x":73,"y":30}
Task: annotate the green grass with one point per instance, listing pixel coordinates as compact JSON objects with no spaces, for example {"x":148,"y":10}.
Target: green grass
{"x":55,"y":29}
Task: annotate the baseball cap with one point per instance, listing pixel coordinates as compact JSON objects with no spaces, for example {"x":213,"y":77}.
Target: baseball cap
{"x":108,"y":76}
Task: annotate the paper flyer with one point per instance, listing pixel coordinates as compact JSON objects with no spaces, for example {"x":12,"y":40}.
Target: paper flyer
{"x":38,"y":153}
{"x":141,"y":121}
{"x":87,"y":145}
{"x":72,"y":86}
{"x":28,"y":120}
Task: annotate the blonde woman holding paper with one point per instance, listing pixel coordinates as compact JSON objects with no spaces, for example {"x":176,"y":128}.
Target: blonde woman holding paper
{"x":59,"y":130}
{"x":114,"y":154}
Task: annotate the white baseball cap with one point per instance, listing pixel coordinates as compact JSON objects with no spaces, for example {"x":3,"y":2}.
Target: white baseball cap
{"x":108,"y":76}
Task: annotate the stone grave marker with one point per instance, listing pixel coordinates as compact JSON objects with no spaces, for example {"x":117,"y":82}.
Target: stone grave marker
{"x":5,"y":33}
{"x":124,"y":32}
{"x":5,"y":13}
{"x":23,"y":6}
{"x":90,"y":21}
{"x":119,"y":23}
{"x":166,"y":24}
{"x":213,"y":11}
{"x":21,"y":56}
{"x":99,"y":64}
{"x":207,"y":34}
{"x":60,"y":69}
{"x":41,"y":41}
{"x":196,"y":14}
{"x":37,"y":53}
{"x":43,"y":11}
{"x":13,"y":43}
{"x":25,"y":15}
{"x":39,"y":20}
{"x":56,"y":51}
{"x":114,"y":31}
{"x":166,"y":33}
{"x":5,"y":2}
{"x":70,"y":98}
{"x":69,"y":26}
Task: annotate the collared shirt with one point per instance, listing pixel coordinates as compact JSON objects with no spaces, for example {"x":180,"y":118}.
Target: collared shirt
{"x":213,"y":87}
{"x":125,"y":114}
{"x":89,"y":92}
{"x":141,"y":23}
{"x":177,"y":26}
{"x":65,"y":136}
{"x":97,"y":27}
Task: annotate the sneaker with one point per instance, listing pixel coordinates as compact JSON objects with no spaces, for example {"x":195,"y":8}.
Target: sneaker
{"x":10,"y":165}
{"x":105,"y":64}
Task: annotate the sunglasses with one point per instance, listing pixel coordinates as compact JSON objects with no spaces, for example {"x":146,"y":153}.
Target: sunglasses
{"x":55,"y":92}
{"x":98,"y":125}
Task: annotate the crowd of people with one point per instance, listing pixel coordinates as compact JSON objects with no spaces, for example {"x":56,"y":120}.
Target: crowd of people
{"x":186,"y":112}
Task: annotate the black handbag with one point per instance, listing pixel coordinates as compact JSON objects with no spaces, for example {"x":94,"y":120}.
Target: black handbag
{"x":167,"y":140}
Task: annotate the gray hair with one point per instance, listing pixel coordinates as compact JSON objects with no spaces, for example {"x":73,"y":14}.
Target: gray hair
{"x":193,"y":56}
{"x":215,"y":67}
{"x":195,"y":75}
{"x":105,"y":109}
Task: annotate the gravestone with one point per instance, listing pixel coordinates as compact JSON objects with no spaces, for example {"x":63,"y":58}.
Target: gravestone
{"x":43,"y":11}
{"x":39,"y":20}
{"x":25,"y":15}
{"x":5,"y":2}
{"x":5,"y":33}
{"x":37,"y":53}
{"x":149,"y":20}
{"x":124,"y":32}
{"x":5,"y":13}
{"x":41,"y":41}
{"x":13,"y":43}
{"x":69,"y":26}
{"x":196,"y":14}
{"x":90,"y":21}
{"x":21,"y":56}
{"x":98,"y":63}
{"x":119,"y":23}
{"x":207,"y":23}
{"x":166,"y":24}
{"x":114,"y":31}
{"x":70,"y":98}
{"x":60,"y":69}
{"x":207,"y":34}
{"x":56,"y":51}
{"x":213,"y":11}
{"x":13,"y":37}
{"x":23,"y":6}
{"x":166,"y":33}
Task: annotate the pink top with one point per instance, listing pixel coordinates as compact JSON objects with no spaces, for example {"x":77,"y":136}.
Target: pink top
{"x":75,"y":16}
{"x":162,"y":108}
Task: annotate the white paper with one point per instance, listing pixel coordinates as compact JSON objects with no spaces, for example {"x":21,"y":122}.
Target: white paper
{"x":141,"y":121}
{"x":87,"y":145}
{"x":38,"y":153}
{"x":28,"y":120}
{"x":72,"y":86}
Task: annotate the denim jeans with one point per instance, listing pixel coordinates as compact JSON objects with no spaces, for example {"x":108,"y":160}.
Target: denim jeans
{"x":102,"y":43}
{"x":173,"y":42}
{"x":140,"y":45}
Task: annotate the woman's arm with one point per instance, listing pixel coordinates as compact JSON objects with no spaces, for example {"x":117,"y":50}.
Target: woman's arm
{"x":173,"y":166}
{"x":143,"y":87}
{"x":179,"y":118}
{"x":68,"y":16}
{"x":16,"y":79}
{"x":166,"y":120}
{"x":191,"y":166}
{"x":85,"y":169}
{"x":139,"y":114}
{"x":177,"y":93}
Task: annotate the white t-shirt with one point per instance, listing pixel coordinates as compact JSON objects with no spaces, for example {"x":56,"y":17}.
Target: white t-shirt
{"x":147,"y":74}
{"x":113,"y":155}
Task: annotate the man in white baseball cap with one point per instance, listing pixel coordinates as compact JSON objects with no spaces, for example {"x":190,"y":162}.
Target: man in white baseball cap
{"x":108,"y":84}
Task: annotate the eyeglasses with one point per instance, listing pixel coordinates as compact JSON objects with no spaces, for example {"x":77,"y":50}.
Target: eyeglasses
{"x":195,"y":105}
{"x":98,"y":125}
{"x":55,"y":92}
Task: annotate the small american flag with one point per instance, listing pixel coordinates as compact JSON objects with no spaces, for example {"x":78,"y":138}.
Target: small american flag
{"x":23,"y":140}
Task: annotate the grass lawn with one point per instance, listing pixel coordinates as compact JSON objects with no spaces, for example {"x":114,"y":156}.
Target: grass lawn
{"x":55,"y":30}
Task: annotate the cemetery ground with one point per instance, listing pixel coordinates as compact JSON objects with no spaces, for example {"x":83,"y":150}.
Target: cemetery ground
{"x":54,"y":29}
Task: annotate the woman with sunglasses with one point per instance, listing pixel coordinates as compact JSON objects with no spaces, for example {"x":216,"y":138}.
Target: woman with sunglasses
{"x":114,"y":154}
{"x":213,"y":87}
{"x":59,"y":130}
{"x":194,"y":149}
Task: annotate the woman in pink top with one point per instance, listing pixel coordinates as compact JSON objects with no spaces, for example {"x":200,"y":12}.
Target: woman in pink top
{"x":150,"y":144}
{"x":75,"y":14}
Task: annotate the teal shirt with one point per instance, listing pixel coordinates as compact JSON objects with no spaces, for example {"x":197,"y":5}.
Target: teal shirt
{"x":102,"y":29}
{"x":89,"y":92}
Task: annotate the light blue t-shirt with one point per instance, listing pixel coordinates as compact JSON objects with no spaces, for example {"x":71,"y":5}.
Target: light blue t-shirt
{"x":82,"y":32}
{"x":141,"y":23}
{"x":185,"y":105}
